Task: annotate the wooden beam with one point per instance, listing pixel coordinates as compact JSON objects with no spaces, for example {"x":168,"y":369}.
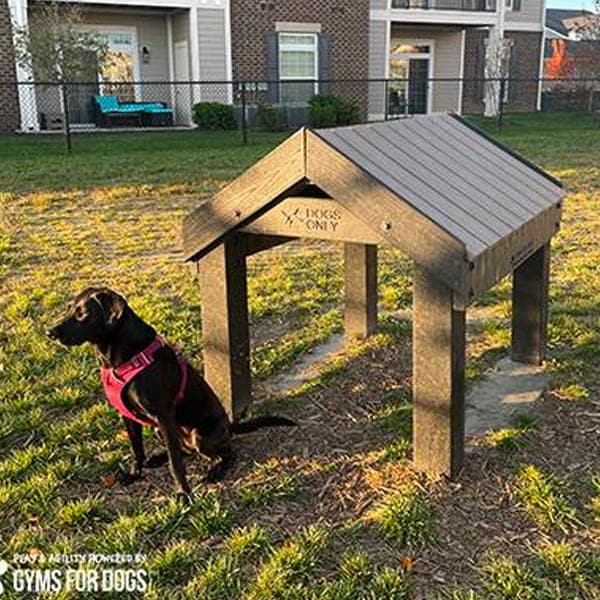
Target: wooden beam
{"x":394,"y":219}
{"x":530,"y":307}
{"x":505,"y":256}
{"x":360,"y":312}
{"x":225,"y":324}
{"x":316,"y":218}
{"x":238,"y":202}
{"x":438,"y":377}
{"x":259,"y":243}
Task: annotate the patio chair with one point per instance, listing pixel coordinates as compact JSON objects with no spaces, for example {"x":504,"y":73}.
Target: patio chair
{"x":109,"y":111}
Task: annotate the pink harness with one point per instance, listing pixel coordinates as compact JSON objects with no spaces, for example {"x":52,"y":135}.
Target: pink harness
{"x":114,"y":380}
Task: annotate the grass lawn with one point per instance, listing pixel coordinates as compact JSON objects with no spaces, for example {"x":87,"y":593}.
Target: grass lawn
{"x":100,"y":160}
{"x":329,"y":511}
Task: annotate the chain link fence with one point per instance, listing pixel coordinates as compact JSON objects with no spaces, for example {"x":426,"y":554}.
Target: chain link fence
{"x":275,"y":105}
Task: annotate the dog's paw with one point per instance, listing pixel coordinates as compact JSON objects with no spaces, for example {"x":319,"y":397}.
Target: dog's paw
{"x":126,"y":476}
{"x":157,"y":460}
{"x":216,"y":473}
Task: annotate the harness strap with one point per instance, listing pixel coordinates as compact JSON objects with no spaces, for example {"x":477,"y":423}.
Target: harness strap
{"x":114,"y":380}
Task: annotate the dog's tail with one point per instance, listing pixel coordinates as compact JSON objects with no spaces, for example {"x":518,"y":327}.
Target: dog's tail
{"x":260,"y":422}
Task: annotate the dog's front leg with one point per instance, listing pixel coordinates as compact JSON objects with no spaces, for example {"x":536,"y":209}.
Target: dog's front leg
{"x":168,"y":428}
{"x":134,"y":432}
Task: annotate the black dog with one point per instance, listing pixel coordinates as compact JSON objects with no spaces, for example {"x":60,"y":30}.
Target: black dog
{"x":196,"y":423}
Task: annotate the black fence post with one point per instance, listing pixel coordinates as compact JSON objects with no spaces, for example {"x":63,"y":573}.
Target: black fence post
{"x":244,"y":116}
{"x":501,"y":102}
{"x":66,"y":123}
{"x":386,"y":92}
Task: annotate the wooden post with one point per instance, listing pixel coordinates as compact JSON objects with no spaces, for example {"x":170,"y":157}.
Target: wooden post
{"x":530,"y":307}
{"x":225,"y":324}
{"x":438,"y":377}
{"x":360,"y":315}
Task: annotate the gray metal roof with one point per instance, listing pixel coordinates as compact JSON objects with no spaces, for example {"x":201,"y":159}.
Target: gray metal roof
{"x":469,"y":185}
{"x":459,"y":203}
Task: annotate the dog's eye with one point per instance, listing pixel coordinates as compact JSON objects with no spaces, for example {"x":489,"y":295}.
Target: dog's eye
{"x":80,"y":314}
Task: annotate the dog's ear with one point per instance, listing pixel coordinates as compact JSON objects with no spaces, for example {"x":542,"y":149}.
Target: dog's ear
{"x":112,"y":305}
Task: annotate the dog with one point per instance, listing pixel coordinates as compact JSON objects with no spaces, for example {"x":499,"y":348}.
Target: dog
{"x":150,"y":383}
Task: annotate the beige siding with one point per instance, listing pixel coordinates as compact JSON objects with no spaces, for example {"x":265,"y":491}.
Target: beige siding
{"x":448,"y":47}
{"x":181,"y":33}
{"x":446,"y":62}
{"x":377,"y":68}
{"x":213,"y":61}
{"x":532,"y":11}
{"x":379,"y":4}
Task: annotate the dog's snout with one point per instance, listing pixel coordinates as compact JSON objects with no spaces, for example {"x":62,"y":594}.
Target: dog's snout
{"x":52,"y":333}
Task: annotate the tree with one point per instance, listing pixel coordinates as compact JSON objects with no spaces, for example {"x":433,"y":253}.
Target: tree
{"x":497,"y":61}
{"x":591,"y":29}
{"x":587,"y":57}
{"x":560,"y":65}
{"x":57,"y":46}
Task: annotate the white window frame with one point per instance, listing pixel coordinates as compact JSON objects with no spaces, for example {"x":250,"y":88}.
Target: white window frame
{"x":419,"y":56}
{"x":299,"y":48}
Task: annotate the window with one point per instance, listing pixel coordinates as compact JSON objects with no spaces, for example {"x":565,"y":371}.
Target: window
{"x":298,"y":60}
{"x":514,"y":5}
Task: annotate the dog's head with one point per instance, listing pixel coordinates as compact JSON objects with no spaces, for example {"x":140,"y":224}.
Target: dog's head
{"x":92,"y":316}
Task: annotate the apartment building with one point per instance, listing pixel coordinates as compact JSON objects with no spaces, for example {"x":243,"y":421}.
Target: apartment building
{"x":423,"y":47}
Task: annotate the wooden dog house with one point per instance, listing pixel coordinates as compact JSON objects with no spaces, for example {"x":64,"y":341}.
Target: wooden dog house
{"x":467,"y":210}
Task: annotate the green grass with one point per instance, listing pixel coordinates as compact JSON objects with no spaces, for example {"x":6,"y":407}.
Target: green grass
{"x":332,"y":512}
{"x":406,"y":517}
{"x":545,"y":497}
{"x":556,"y":570}
{"x":513,"y":438}
{"x":269,"y":483}
{"x":142,"y":159}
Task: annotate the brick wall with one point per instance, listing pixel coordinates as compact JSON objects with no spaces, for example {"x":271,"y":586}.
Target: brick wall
{"x":9,"y":105}
{"x":525,"y":64}
{"x":348,"y":27}
{"x":474,"y":69}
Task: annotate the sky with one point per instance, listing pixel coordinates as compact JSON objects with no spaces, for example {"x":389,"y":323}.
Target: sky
{"x":574,"y":4}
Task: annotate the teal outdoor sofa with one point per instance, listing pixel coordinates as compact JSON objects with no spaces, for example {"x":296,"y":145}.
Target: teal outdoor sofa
{"x":109,"y":112}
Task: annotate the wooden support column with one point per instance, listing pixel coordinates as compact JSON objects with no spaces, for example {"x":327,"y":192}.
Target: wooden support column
{"x":530,"y":307}
{"x":360,"y":313}
{"x":225,"y":324}
{"x":438,"y":377}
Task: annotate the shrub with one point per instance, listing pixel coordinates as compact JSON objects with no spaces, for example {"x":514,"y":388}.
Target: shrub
{"x":270,"y":118}
{"x":214,"y":115}
{"x":331,"y":111}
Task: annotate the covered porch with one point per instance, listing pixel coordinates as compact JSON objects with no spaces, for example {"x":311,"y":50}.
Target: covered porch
{"x":155,"y":49}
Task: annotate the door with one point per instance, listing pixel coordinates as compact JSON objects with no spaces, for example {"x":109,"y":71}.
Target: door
{"x":418,"y":84}
{"x":410,"y":72}
{"x":122,"y":69}
{"x":183,"y":91}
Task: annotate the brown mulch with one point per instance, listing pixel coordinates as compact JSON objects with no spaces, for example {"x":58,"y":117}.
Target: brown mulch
{"x":335,"y":454}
